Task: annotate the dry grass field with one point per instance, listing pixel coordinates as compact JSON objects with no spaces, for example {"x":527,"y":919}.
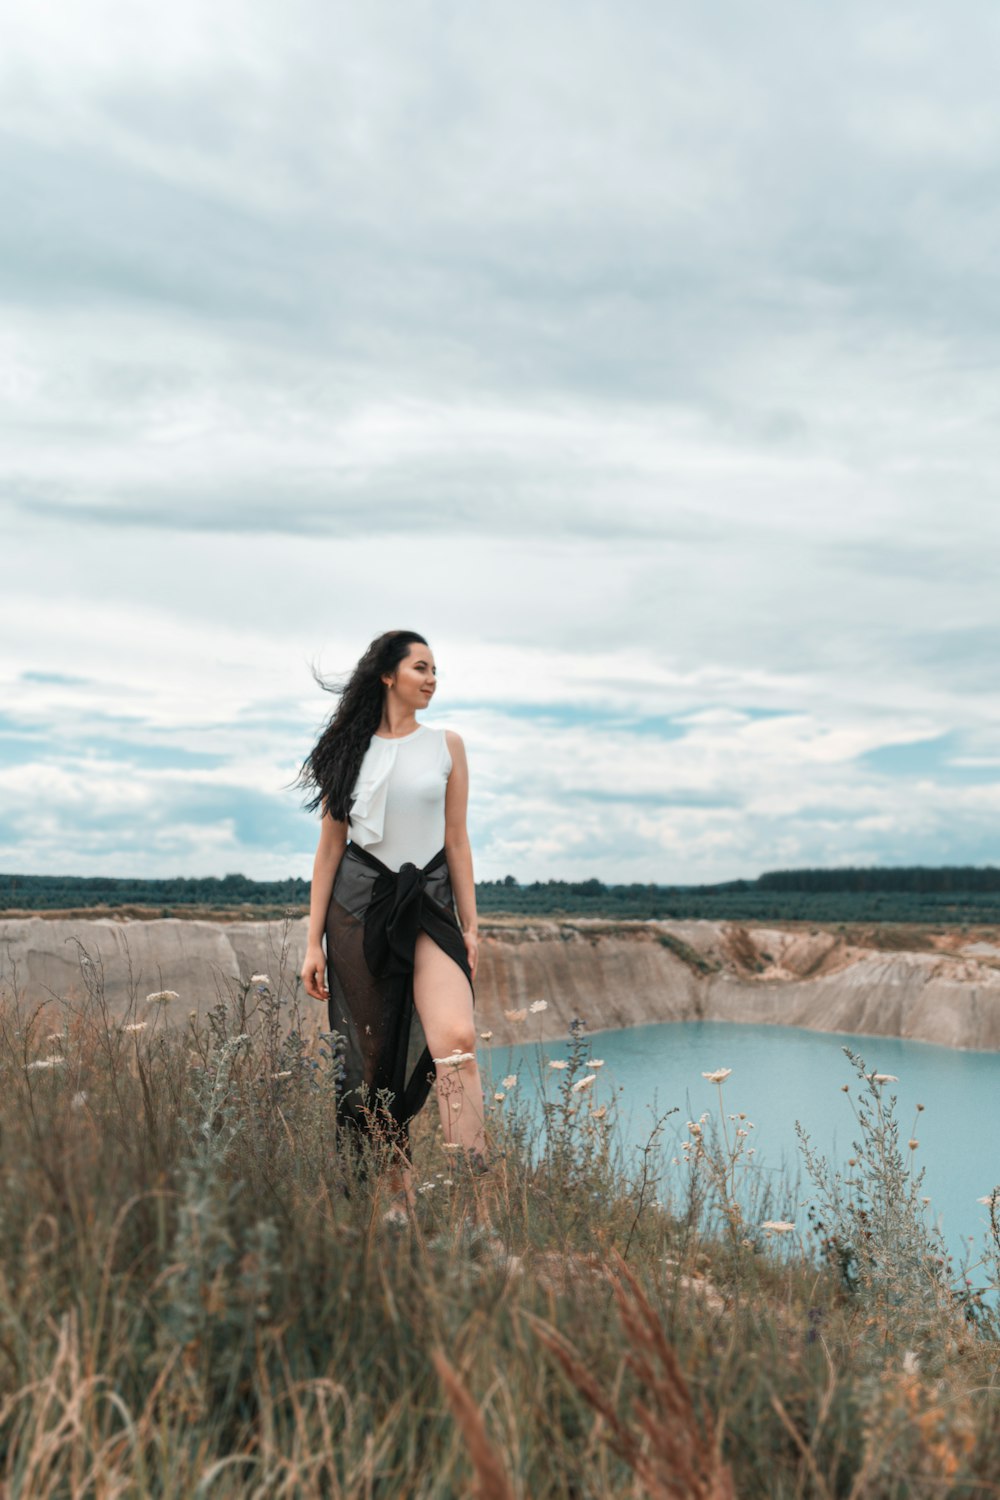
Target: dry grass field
{"x":199,"y":1295}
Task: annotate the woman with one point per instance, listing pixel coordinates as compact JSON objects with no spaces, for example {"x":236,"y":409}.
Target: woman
{"x":398,"y":967}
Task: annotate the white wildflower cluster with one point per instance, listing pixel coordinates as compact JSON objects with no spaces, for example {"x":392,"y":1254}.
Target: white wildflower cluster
{"x":262,"y":980}
{"x":486,"y":1035}
{"x":695,"y":1140}
{"x":44,"y":1063}
{"x":456,"y":1057}
{"x":558,"y":1062}
{"x":162,"y":997}
{"x":583,"y":1083}
{"x":719,"y":1075}
{"x":135,"y":1026}
{"x":509,"y":1081}
{"x":537,"y":1005}
{"x":778,"y":1226}
{"x":516,"y":1015}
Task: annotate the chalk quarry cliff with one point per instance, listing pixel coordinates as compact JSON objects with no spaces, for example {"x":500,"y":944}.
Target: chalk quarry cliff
{"x":944,"y":987}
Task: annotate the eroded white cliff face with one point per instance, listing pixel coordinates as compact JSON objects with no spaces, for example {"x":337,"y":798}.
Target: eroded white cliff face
{"x":609,"y":974}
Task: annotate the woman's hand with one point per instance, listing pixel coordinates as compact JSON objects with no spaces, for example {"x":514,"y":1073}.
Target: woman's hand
{"x":472,"y":950}
{"x":314,"y":972}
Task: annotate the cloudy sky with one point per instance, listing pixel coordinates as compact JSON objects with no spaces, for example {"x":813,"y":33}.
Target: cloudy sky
{"x":643,"y":356}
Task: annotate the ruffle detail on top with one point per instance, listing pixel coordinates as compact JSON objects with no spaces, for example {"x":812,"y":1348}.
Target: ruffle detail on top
{"x":367,"y":812}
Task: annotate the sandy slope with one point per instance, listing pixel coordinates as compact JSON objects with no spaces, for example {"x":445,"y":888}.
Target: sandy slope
{"x":944,"y":987}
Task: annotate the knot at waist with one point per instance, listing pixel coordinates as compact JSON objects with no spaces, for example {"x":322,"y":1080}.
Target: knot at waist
{"x":393,"y":919}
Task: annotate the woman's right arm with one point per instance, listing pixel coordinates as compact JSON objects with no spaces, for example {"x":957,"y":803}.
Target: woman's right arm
{"x":329,"y":853}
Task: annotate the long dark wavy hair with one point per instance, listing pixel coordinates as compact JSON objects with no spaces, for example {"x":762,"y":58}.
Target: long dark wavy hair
{"x":331,"y":768}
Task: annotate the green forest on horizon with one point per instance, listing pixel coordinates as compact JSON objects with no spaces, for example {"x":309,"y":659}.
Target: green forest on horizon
{"x":915,"y":893}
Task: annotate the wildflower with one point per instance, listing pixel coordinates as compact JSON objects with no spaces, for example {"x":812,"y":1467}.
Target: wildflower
{"x":989,"y":1201}
{"x":498,"y":1097}
{"x":447,"y":1181}
{"x":742,"y":1132}
{"x":925,"y":1200}
{"x":285,"y":1073}
{"x":537,"y":1005}
{"x":597,"y":1062}
{"x":718,"y":1076}
{"x":162,"y":997}
{"x":457,"y":1057}
{"x":583,"y":1083}
{"x":599,"y":1114}
{"x":45,"y":1062}
{"x":486,"y":1035}
{"x":702,"y":1118}
{"x":79,"y":1099}
{"x":136,"y":1026}
{"x":913,"y":1144}
{"x":558,"y":1062}
{"x":883,"y":1078}
{"x":262,"y":979}
{"x":451,"y":1145}
{"x":516,"y":1015}
{"x":456,"y":1104}
{"x":778,"y":1226}
{"x":509,"y":1081}
{"x":844,"y":1089}
{"x":55,"y":1036}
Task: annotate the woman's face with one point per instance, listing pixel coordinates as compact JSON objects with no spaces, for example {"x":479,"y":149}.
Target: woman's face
{"x":416,"y":677}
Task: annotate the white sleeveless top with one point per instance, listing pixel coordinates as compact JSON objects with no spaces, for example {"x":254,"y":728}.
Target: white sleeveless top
{"x":398,"y":812}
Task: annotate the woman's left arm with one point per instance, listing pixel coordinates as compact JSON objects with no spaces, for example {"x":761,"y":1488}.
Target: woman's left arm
{"x":458,"y":848}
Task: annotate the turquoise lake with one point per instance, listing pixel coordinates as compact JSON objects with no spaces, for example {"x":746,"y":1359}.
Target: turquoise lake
{"x":781,"y":1074}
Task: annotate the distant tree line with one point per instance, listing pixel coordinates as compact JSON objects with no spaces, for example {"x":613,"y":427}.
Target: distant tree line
{"x":915,"y":879}
{"x":915,"y":893}
{"x":56,"y":892}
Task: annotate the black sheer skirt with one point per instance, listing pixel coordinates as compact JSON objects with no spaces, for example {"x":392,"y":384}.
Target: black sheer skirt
{"x":372,"y":924}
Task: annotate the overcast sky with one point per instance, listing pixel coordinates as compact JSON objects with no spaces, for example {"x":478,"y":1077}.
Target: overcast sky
{"x":643,"y":356}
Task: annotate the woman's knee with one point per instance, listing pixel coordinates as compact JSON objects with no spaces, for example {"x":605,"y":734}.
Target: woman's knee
{"x":456,"y":1040}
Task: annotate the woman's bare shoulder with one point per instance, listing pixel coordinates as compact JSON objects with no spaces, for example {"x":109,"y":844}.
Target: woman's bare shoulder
{"x":455,"y":743}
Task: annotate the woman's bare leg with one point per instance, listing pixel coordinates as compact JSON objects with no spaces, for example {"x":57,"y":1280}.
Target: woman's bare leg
{"x":443,"y":1000}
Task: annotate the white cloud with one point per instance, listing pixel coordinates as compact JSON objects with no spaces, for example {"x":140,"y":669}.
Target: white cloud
{"x":639,"y":356}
